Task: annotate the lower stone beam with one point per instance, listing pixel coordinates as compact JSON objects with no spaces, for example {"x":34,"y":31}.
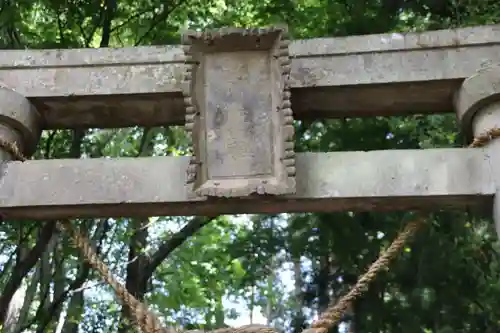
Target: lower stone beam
{"x":326,"y":182}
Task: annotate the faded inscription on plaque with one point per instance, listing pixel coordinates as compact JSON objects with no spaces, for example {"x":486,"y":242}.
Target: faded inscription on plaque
{"x":238,"y":119}
{"x":239,"y":113}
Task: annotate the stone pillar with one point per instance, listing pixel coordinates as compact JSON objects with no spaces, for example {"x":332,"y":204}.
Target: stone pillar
{"x":477,"y":105}
{"x":20,"y":123}
{"x":19,"y":126}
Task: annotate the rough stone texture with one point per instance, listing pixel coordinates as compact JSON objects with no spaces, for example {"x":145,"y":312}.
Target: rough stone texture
{"x":484,"y":114}
{"x":386,"y":74}
{"x":477,"y":92}
{"x":19,"y":121}
{"x":239,"y":113}
{"x":9,"y":135}
{"x":385,"y":180}
{"x":97,"y":87}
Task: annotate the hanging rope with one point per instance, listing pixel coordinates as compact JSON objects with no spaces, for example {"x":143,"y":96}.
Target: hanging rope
{"x":485,"y":138}
{"x":332,"y":315}
{"x":145,"y":320}
{"x":148,"y":322}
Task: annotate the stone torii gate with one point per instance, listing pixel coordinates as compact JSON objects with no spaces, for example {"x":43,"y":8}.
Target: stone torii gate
{"x":234,"y":89}
{"x":245,"y":139}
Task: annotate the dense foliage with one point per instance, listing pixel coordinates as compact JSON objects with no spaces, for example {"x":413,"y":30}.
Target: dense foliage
{"x":283,"y":269}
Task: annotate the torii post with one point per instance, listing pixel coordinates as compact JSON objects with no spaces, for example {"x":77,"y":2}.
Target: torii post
{"x":374,"y":75}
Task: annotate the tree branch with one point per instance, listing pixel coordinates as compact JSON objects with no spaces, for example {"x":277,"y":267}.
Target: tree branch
{"x":174,"y":242}
{"x":83,"y":274}
{"x":106,"y":25}
{"x":23,"y":267}
{"x":144,"y":141}
{"x":48,"y":143}
{"x":130,"y":19}
{"x":159,"y":18}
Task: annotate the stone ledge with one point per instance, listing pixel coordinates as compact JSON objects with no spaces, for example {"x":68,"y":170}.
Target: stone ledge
{"x":385,"y":180}
{"x":386,"y":74}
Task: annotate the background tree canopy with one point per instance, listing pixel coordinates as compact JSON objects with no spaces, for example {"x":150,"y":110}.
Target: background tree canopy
{"x":284,"y":268}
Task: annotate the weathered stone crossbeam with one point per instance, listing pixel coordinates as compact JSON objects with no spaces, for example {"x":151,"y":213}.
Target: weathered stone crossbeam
{"x":387,"y":74}
{"x":384,"y":180}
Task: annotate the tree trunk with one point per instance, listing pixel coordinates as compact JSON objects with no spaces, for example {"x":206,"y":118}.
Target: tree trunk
{"x":136,"y":282}
{"x":22,"y":268}
{"x":74,"y":312}
{"x":323,"y":279}
{"x":14,"y":310}
{"x":298,"y":319}
{"x":270,"y":282}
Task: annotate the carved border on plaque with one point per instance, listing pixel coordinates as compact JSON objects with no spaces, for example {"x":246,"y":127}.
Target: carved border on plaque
{"x":195,"y":43}
{"x":191,"y":111}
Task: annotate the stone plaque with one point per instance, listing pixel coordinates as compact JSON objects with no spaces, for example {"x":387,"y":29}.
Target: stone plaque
{"x":238,"y":112}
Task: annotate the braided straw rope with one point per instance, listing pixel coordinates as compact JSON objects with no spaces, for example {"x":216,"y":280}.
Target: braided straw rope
{"x":333,"y":313}
{"x":148,"y":322}
{"x":484,"y":138}
{"x":145,"y":319}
